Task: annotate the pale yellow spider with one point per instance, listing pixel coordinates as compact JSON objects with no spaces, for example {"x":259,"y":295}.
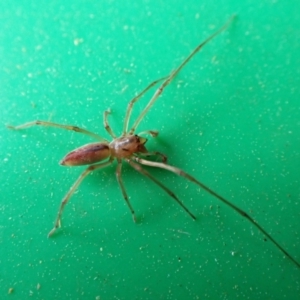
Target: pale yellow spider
{"x":130,"y":147}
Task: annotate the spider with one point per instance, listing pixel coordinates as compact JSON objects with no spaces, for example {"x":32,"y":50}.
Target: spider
{"x":130,"y":147}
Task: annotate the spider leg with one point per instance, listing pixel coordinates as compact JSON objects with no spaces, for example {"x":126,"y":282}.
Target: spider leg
{"x":210,"y":191}
{"x":106,"y":125}
{"x":163,"y":157}
{"x":72,"y":190}
{"x":125,"y":196}
{"x":135,"y":99}
{"x":50,"y":124}
{"x":173,"y":74}
{"x":138,"y":168}
{"x":153,"y":133}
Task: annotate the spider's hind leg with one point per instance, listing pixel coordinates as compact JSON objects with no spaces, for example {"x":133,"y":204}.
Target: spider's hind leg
{"x":66,"y":199}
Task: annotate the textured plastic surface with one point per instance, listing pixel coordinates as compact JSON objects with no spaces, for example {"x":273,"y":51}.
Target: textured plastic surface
{"x":231,"y":118}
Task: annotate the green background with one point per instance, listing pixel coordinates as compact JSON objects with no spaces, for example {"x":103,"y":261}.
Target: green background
{"x":230,"y":118}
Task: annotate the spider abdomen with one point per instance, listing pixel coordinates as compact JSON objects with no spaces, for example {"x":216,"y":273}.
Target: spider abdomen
{"x":87,"y":154}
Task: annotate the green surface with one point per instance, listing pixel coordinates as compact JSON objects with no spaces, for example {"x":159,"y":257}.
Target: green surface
{"x":231,"y":118}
